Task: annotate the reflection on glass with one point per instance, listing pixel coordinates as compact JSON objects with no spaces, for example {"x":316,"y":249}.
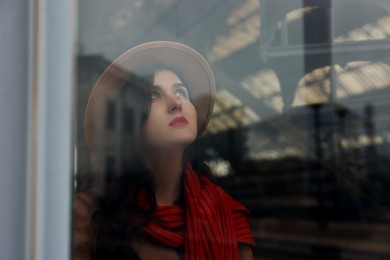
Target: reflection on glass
{"x":356,"y":78}
{"x":155,"y":198}
{"x":243,"y":29}
{"x":300,"y":131}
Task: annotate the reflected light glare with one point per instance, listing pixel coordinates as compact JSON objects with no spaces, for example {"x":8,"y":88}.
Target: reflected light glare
{"x":217,"y":108}
{"x":219,"y":124}
{"x":349,"y":143}
{"x":378,"y":31}
{"x":275,"y":102}
{"x":245,"y":10}
{"x":384,"y":24}
{"x":358,"y":35}
{"x":244,"y":116}
{"x":356,"y":78}
{"x":229,"y":122}
{"x":211,"y":128}
{"x":222,"y":118}
{"x":378,"y":139}
{"x":227,"y":99}
{"x":264,"y":85}
{"x":233,"y":118}
{"x":252,"y":115}
{"x":219,"y":168}
{"x":299,"y":13}
{"x":313,"y":88}
{"x":361,"y":77}
{"x":365,"y":140}
{"x":271,"y":154}
{"x":230,"y":113}
{"x":237,"y":38}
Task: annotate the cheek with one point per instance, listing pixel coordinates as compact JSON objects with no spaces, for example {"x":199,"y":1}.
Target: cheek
{"x":193,"y":114}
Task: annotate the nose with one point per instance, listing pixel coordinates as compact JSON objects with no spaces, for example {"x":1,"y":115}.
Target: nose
{"x":174,"y":104}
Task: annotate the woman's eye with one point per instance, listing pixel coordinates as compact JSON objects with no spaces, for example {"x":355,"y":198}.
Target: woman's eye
{"x":155,"y":94}
{"x":181,"y":92}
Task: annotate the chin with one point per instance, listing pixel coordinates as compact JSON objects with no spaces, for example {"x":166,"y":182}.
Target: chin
{"x":184,"y":141}
{"x":179,"y":142}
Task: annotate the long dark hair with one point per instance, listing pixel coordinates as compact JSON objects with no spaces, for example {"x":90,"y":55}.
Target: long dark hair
{"x":122,"y":175}
{"x":116,"y":202}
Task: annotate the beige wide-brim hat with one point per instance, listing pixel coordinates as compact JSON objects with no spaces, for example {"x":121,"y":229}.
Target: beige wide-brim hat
{"x":183,"y":59}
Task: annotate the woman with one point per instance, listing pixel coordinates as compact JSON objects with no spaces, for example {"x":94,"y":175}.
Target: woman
{"x":155,"y":201}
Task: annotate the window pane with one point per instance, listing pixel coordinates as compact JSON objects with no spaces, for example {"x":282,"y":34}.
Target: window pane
{"x":300,"y":132}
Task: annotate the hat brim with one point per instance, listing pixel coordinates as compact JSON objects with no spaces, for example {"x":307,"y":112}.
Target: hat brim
{"x":185,"y":60}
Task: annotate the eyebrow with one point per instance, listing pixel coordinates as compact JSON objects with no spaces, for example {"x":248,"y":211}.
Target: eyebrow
{"x":178,"y":85}
{"x":157,"y":86}
{"x":175,"y":86}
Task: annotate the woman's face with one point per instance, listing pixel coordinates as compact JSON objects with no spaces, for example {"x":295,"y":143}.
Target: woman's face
{"x":172,"y":119}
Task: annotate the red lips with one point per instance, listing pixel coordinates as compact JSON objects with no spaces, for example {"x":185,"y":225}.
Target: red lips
{"x":178,"y":121}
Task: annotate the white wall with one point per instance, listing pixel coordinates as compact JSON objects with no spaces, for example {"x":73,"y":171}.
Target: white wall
{"x":13,"y":126}
{"x":36,"y":104}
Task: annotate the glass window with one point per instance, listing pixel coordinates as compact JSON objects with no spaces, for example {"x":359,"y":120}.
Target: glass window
{"x":300,"y":132}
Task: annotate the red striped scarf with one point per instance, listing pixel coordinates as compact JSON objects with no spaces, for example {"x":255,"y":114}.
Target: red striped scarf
{"x":209,"y":226}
